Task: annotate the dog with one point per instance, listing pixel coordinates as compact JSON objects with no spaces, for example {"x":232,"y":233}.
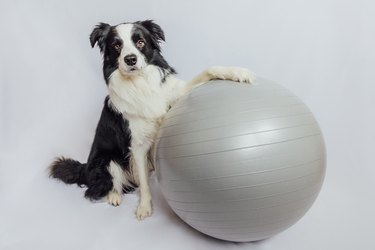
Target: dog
{"x":142,"y":87}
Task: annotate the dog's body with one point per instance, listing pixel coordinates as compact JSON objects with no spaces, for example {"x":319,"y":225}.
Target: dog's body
{"x":142,"y":87}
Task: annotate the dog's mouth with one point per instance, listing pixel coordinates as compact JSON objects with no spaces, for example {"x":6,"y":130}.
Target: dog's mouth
{"x":129,"y":70}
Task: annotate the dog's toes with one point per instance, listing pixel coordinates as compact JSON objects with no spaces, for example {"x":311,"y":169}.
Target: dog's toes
{"x":236,"y":74}
{"x":143,"y":211}
{"x":245,"y":75}
{"x":114,"y":198}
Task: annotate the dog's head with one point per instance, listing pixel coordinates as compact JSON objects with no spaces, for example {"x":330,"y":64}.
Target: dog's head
{"x":128,"y":47}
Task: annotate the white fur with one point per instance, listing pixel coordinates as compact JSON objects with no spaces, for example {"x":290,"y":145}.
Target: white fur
{"x":118,"y":180}
{"x":139,"y":95}
{"x":118,"y":176}
{"x":114,"y":198}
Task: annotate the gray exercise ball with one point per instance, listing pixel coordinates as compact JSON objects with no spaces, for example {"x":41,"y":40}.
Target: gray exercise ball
{"x":240,"y":162}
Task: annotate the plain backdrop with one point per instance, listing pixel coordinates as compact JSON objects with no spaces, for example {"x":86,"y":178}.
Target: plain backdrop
{"x":52,"y":92}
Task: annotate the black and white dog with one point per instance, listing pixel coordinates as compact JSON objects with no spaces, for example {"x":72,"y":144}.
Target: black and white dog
{"x":142,"y":87}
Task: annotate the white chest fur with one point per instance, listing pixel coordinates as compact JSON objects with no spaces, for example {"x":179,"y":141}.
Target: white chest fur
{"x":139,"y":95}
{"x":143,"y":99}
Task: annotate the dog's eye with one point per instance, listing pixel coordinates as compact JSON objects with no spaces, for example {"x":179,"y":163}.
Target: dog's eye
{"x":140,"y":43}
{"x":117,"y":46}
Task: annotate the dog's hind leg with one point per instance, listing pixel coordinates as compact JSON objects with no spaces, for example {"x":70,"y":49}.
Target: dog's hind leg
{"x":105,"y":179}
{"x":99,"y":180}
{"x":118,"y":181}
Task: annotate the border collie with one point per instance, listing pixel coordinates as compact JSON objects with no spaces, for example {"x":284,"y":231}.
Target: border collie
{"x":142,"y":87}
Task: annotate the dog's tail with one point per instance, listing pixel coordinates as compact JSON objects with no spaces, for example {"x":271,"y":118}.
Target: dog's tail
{"x":69,"y":171}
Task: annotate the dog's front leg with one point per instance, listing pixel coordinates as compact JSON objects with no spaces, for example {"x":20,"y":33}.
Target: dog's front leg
{"x":139,"y":154}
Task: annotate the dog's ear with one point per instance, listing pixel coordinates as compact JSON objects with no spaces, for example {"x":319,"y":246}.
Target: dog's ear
{"x":157,"y":34}
{"x":99,"y":34}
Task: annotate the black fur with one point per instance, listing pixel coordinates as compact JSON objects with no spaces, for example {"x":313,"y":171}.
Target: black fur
{"x":69,"y":171}
{"x":111,"y":143}
{"x":157,"y":34}
{"x":99,"y":34}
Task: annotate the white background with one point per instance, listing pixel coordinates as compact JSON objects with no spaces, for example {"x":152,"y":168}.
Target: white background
{"x":52,"y":91}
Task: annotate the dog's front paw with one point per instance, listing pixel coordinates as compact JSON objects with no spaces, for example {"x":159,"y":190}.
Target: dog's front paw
{"x":236,"y":74}
{"x":113,"y":198}
{"x":144,"y":211}
{"x":242,"y":75}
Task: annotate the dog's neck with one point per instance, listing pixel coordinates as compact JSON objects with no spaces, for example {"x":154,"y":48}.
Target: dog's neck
{"x":139,"y":95}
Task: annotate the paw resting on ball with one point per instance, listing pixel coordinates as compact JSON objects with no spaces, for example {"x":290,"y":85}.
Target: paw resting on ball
{"x":242,"y":75}
{"x":236,"y":74}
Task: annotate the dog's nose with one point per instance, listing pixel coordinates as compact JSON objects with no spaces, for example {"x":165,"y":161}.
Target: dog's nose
{"x":130,"y":60}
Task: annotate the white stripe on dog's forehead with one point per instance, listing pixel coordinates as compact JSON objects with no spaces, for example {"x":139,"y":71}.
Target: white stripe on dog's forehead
{"x":125,"y":31}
